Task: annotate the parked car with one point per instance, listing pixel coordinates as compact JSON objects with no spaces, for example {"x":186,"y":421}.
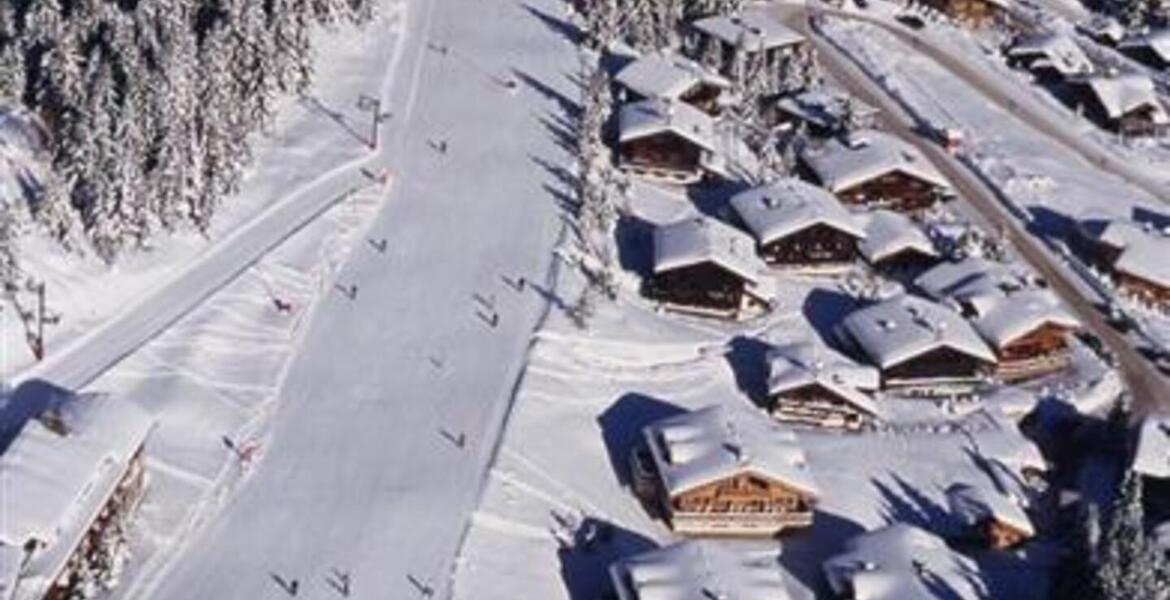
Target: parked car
{"x":911,"y":21}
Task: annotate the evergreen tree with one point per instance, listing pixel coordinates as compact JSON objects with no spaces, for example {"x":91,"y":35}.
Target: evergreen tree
{"x":1130,"y":563}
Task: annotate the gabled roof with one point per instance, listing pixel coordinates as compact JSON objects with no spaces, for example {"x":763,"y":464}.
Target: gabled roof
{"x":655,"y":115}
{"x":974,"y":504}
{"x":787,"y":206}
{"x":716,"y":442}
{"x":969,"y":278}
{"x":700,"y":570}
{"x":868,"y":155}
{"x":1157,"y":41}
{"x":822,"y":107}
{"x":1152,"y":454}
{"x":1056,"y":50}
{"x":902,"y":328}
{"x":898,"y":562}
{"x":1122,"y":94}
{"x":888,"y":233}
{"x":752,"y":30}
{"x":1143,"y":250}
{"x":1007,"y":318}
{"x":659,"y":75}
{"x":70,"y":476}
{"x":798,"y":365}
{"x":701,"y":239}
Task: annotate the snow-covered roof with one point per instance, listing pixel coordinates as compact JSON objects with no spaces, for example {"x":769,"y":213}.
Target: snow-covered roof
{"x":1124,"y":93}
{"x":70,"y":476}
{"x":795,"y":366}
{"x":700,"y":570}
{"x":716,"y":442}
{"x":655,"y":115}
{"x":751,"y":30}
{"x":1143,"y":250}
{"x":787,"y":206}
{"x":868,"y":155}
{"x":1157,"y":41}
{"x":1103,"y":27}
{"x":1009,"y":447}
{"x":703,"y":239}
{"x":1056,"y":50}
{"x":904,"y":327}
{"x":969,"y":278}
{"x":659,"y":75}
{"x":11,"y":558}
{"x":823,"y":107}
{"x":1007,"y":318}
{"x":1152,"y":454}
{"x":898,"y":562}
{"x":974,"y":504}
{"x":888,"y":233}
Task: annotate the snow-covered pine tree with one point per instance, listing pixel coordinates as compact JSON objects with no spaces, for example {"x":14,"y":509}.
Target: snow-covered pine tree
{"x":1130,"y":564}
{"x":254,"y":52}
{"x":218,"y":122}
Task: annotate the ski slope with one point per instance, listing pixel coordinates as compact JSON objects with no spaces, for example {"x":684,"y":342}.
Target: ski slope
{"x":362,"y":472}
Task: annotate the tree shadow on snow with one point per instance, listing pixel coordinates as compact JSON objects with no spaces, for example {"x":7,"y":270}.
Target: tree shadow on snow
{"x":824,"y":309}
{"x":621,"y":427}
{"x":1050,"y":223}
{"x":747,"y":358}
{"x":905,"y":503}
{"x":28,"y":401}
{"x":585,"y":560}
{"x":803,"y":553}
{"x":563,"y":187}
{"x":559,"y":26}
{"x":569,"y":107}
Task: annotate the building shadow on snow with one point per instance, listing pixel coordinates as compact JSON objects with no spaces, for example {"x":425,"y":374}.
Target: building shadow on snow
{"x":621,"y":427}
{"x":585,"y":559}
{"x":905,"y":503}
{"x":803,"y":552}
{"x":28,"y":401}
{"x":635,"y":240}
{"x":824,"y":310}
{"x":747,"y":358}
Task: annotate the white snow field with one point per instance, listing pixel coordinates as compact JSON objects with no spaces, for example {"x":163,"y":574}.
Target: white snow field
{"x":587,"y":393}
{"x":309,"y":157}
{"x":384,"y":420}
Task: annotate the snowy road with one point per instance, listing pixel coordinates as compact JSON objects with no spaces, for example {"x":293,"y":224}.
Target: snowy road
{"x":390,"y":411}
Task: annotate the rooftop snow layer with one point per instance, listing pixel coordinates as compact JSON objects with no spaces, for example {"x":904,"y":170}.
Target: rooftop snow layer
{"x":868,"y":155}
{"x":1157,"y":41}
{"x":1058,"y":50}
{"x":897,"y":562}
{"x":801,"y":364}
{"x":716,"y":442}
{"x":1143,"y":250}
{"x":752,"y":30}
{"x":701,"y":240}
{"x":969,"y":278}
{"x":1121,"y":94}
{"x":653,"y":116}
{"x":822,"y":107}
{"x":974,"y":504}
{"x":1007,"y":318}
{"x":659,"y":75}
{"x":787,"y":206}
{"x":700,"y":570}
{"x":887,"y":233}
{"x":904,"y":327}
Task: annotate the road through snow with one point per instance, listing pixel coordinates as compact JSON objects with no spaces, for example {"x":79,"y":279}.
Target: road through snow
{"x":390,"y":410}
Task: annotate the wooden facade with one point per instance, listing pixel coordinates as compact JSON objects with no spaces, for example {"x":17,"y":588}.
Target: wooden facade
{"x":975,"y":13}
{"x":816,"y":405}
{"x":820,"y":244}
{"x":113,"y":516}
{"x":664,"y":155}
{"x":746,"y":504}
{"x":1001,"y":536}
{"x":897,"y":190}
{"x":906,"y":260}
{"x":941,"y":364}
{"x":1041,"y":351}
{"x":703,"y":287}
{"x":1146,"y":291}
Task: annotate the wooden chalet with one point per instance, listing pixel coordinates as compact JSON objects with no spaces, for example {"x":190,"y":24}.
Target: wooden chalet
{"x":809,"y":386}
{"x":873,"y":169}
{"x":1151,"y":49}
{"x":895,"y":243}
{"x":74,"y":476}
{"x":918,"y":344}
{"x":900,"y":562}
{"x":674,"y":78}
{"x":1028,"y":330}
{"x":991,"y":517}
{"x":1134,"y":255}
{"x":1126,"y":104}
{"x":973,"y":279}
{"x":706,"y":267}
{"x":1051,"y":57}
{"x":674,"y":142}
{"x":973,"y":13}
{"x":798,"y":225}
{"x":700,"y":569}
{"x":729,"y":42}
{"x":726,"y":471}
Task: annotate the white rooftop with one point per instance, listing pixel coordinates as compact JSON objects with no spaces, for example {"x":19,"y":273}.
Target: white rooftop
{"x":777,"y":210}
{"x":868,"y":155}
{"x":700,"y":570}
{"x":1158,"y":41}
{"x":904,"y":327}
{"x":659,"y":75}
{"x":1007,"y":318}
{"x":1152,"y":454}
{"x":823,"y":107}
{"x":716,"y":442}
{"x":1143,"y":250}
{"x":798,"y":365}
{"x":899,"y":562}
{"x":887,"y":233}
{"x":1121,"y":94}
{"x":969,"y":278}
{"x":701,"y":239}
{"x":974,"y":504}
{"x":655,"y":115}
{"x":1058,"y":50}
{"x":751,"y":30}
